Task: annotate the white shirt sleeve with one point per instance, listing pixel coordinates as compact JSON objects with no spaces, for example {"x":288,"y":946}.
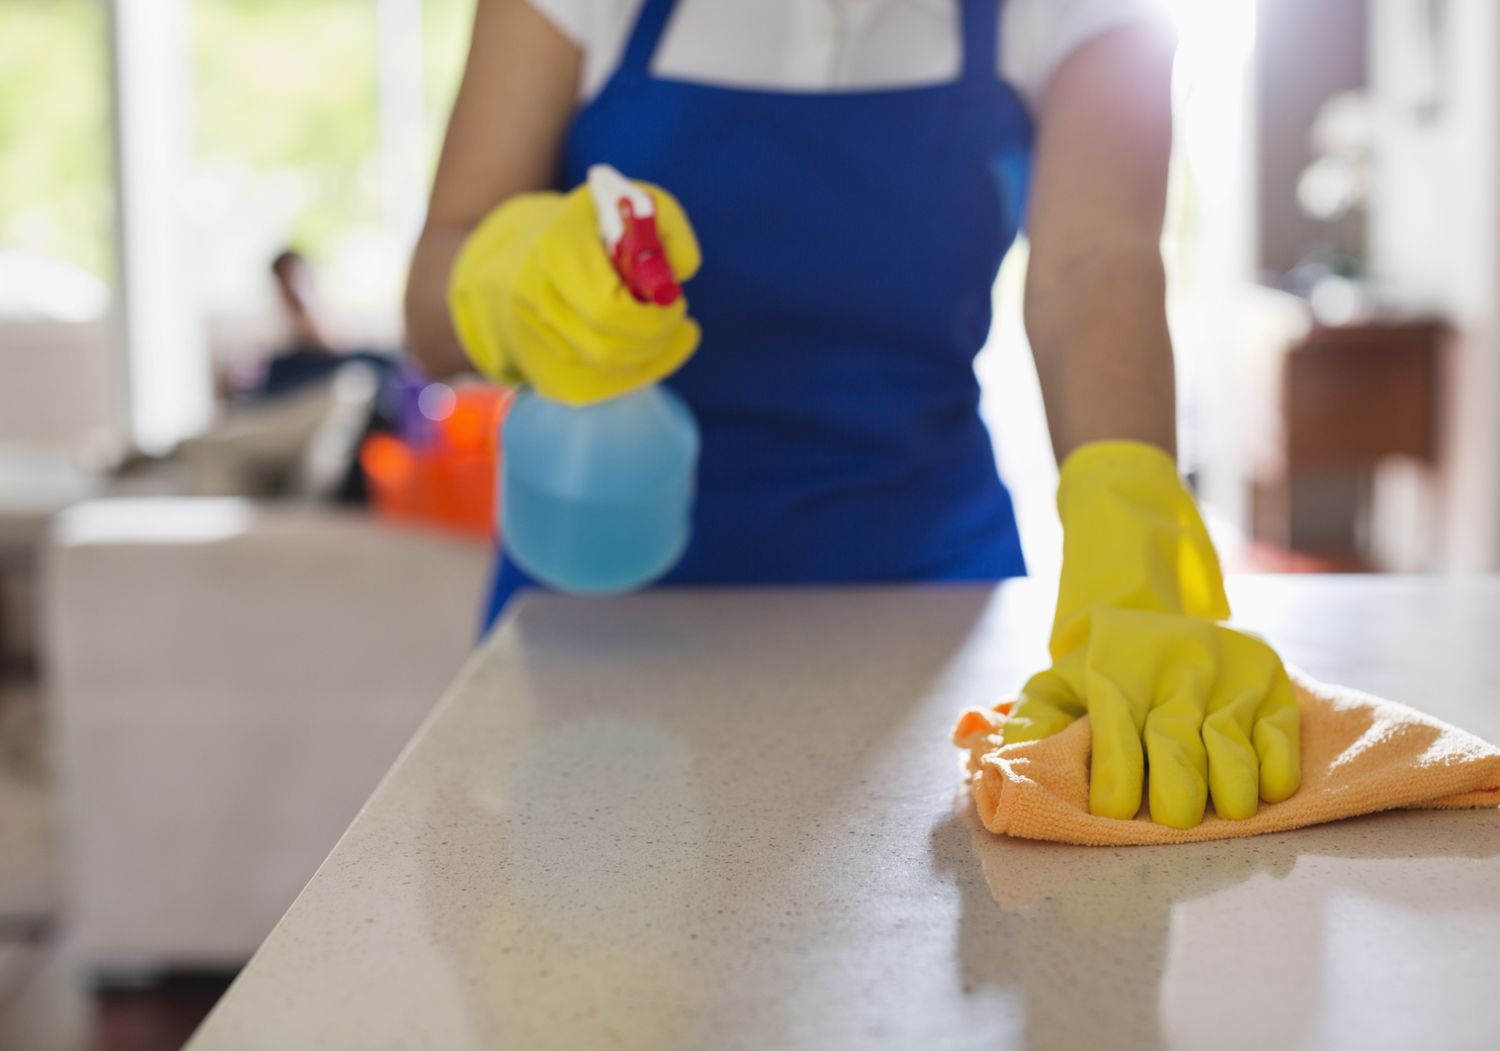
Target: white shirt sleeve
{"x":600,"y":28}
{"x":572,"y":17}
{"x":1038,"y":35}
{"x":895,"y":43}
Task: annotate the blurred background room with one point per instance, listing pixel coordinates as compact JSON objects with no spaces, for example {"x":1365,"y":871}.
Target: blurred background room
{"x":242,"y":541}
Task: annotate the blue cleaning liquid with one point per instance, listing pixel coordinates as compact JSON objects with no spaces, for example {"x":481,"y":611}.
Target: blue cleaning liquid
{"x":598,"y":499}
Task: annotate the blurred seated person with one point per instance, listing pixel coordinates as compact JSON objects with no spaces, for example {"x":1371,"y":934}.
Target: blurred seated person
{"x":309,"y":355}
{"x":293,"y":426}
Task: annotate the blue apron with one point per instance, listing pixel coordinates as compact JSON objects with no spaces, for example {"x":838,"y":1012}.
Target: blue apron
{"x":850,"y":245}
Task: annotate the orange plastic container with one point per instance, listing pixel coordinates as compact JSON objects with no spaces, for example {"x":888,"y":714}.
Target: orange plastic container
{"x":449,"y":481}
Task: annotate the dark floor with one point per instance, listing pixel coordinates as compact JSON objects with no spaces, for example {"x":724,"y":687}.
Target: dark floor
{"x":49,"y":1006}
{"x":158,"y":1018}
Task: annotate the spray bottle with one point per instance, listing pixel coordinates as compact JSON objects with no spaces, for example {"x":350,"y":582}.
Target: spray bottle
{"x":597,"y":499}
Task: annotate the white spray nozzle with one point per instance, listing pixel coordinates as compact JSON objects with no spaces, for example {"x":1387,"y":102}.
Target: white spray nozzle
{"x":608,"y":188}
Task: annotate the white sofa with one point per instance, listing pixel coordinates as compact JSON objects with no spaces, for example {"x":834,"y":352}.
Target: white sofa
{"x":227,"y":682}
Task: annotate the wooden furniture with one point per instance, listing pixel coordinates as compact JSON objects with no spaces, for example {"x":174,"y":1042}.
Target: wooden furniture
{"x":732,"y":819}
{"x":1353,"y":396}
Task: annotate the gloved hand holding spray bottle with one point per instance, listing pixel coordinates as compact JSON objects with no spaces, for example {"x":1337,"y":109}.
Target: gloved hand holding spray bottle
{"x":597,"y":498}
{"x":599,"y":462}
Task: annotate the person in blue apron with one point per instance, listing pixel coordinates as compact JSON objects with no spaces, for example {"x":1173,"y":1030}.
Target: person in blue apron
{"x":851,"y":173}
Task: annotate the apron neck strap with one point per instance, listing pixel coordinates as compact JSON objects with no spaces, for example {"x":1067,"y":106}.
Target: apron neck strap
{"x":649,"y":26}
{"x":981,"y":32}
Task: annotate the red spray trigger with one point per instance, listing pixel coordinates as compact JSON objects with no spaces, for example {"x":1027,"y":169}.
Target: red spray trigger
{"x":641,"y":261}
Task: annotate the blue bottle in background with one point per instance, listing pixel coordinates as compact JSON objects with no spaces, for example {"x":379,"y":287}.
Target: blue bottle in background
{"x":598,"y":499}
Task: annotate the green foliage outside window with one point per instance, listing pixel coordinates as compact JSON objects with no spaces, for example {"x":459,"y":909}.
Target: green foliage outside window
{"x":283,"y":89}
{"x":55,"y":160}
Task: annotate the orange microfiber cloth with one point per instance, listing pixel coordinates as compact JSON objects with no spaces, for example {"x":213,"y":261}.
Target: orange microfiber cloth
{"x":1360,"y":754}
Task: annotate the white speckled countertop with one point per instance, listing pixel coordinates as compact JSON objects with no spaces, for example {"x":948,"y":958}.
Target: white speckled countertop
{"x":731,"y":820}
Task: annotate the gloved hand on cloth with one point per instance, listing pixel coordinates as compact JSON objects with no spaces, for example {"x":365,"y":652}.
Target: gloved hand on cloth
{"x":1175,"y":699}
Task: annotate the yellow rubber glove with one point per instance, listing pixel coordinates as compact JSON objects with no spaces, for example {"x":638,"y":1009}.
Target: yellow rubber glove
{"x":536,"y":299}
{"x":1137,"y":644}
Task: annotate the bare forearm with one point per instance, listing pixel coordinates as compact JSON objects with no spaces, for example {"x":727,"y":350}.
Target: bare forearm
{"x":1098,"y":331}
{"x":504,"y":137}
{"x":1095,"y":291}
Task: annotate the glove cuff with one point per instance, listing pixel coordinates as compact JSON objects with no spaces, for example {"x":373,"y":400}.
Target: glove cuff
{"x":1132,"y":539}
{"x":1107,"y":462}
